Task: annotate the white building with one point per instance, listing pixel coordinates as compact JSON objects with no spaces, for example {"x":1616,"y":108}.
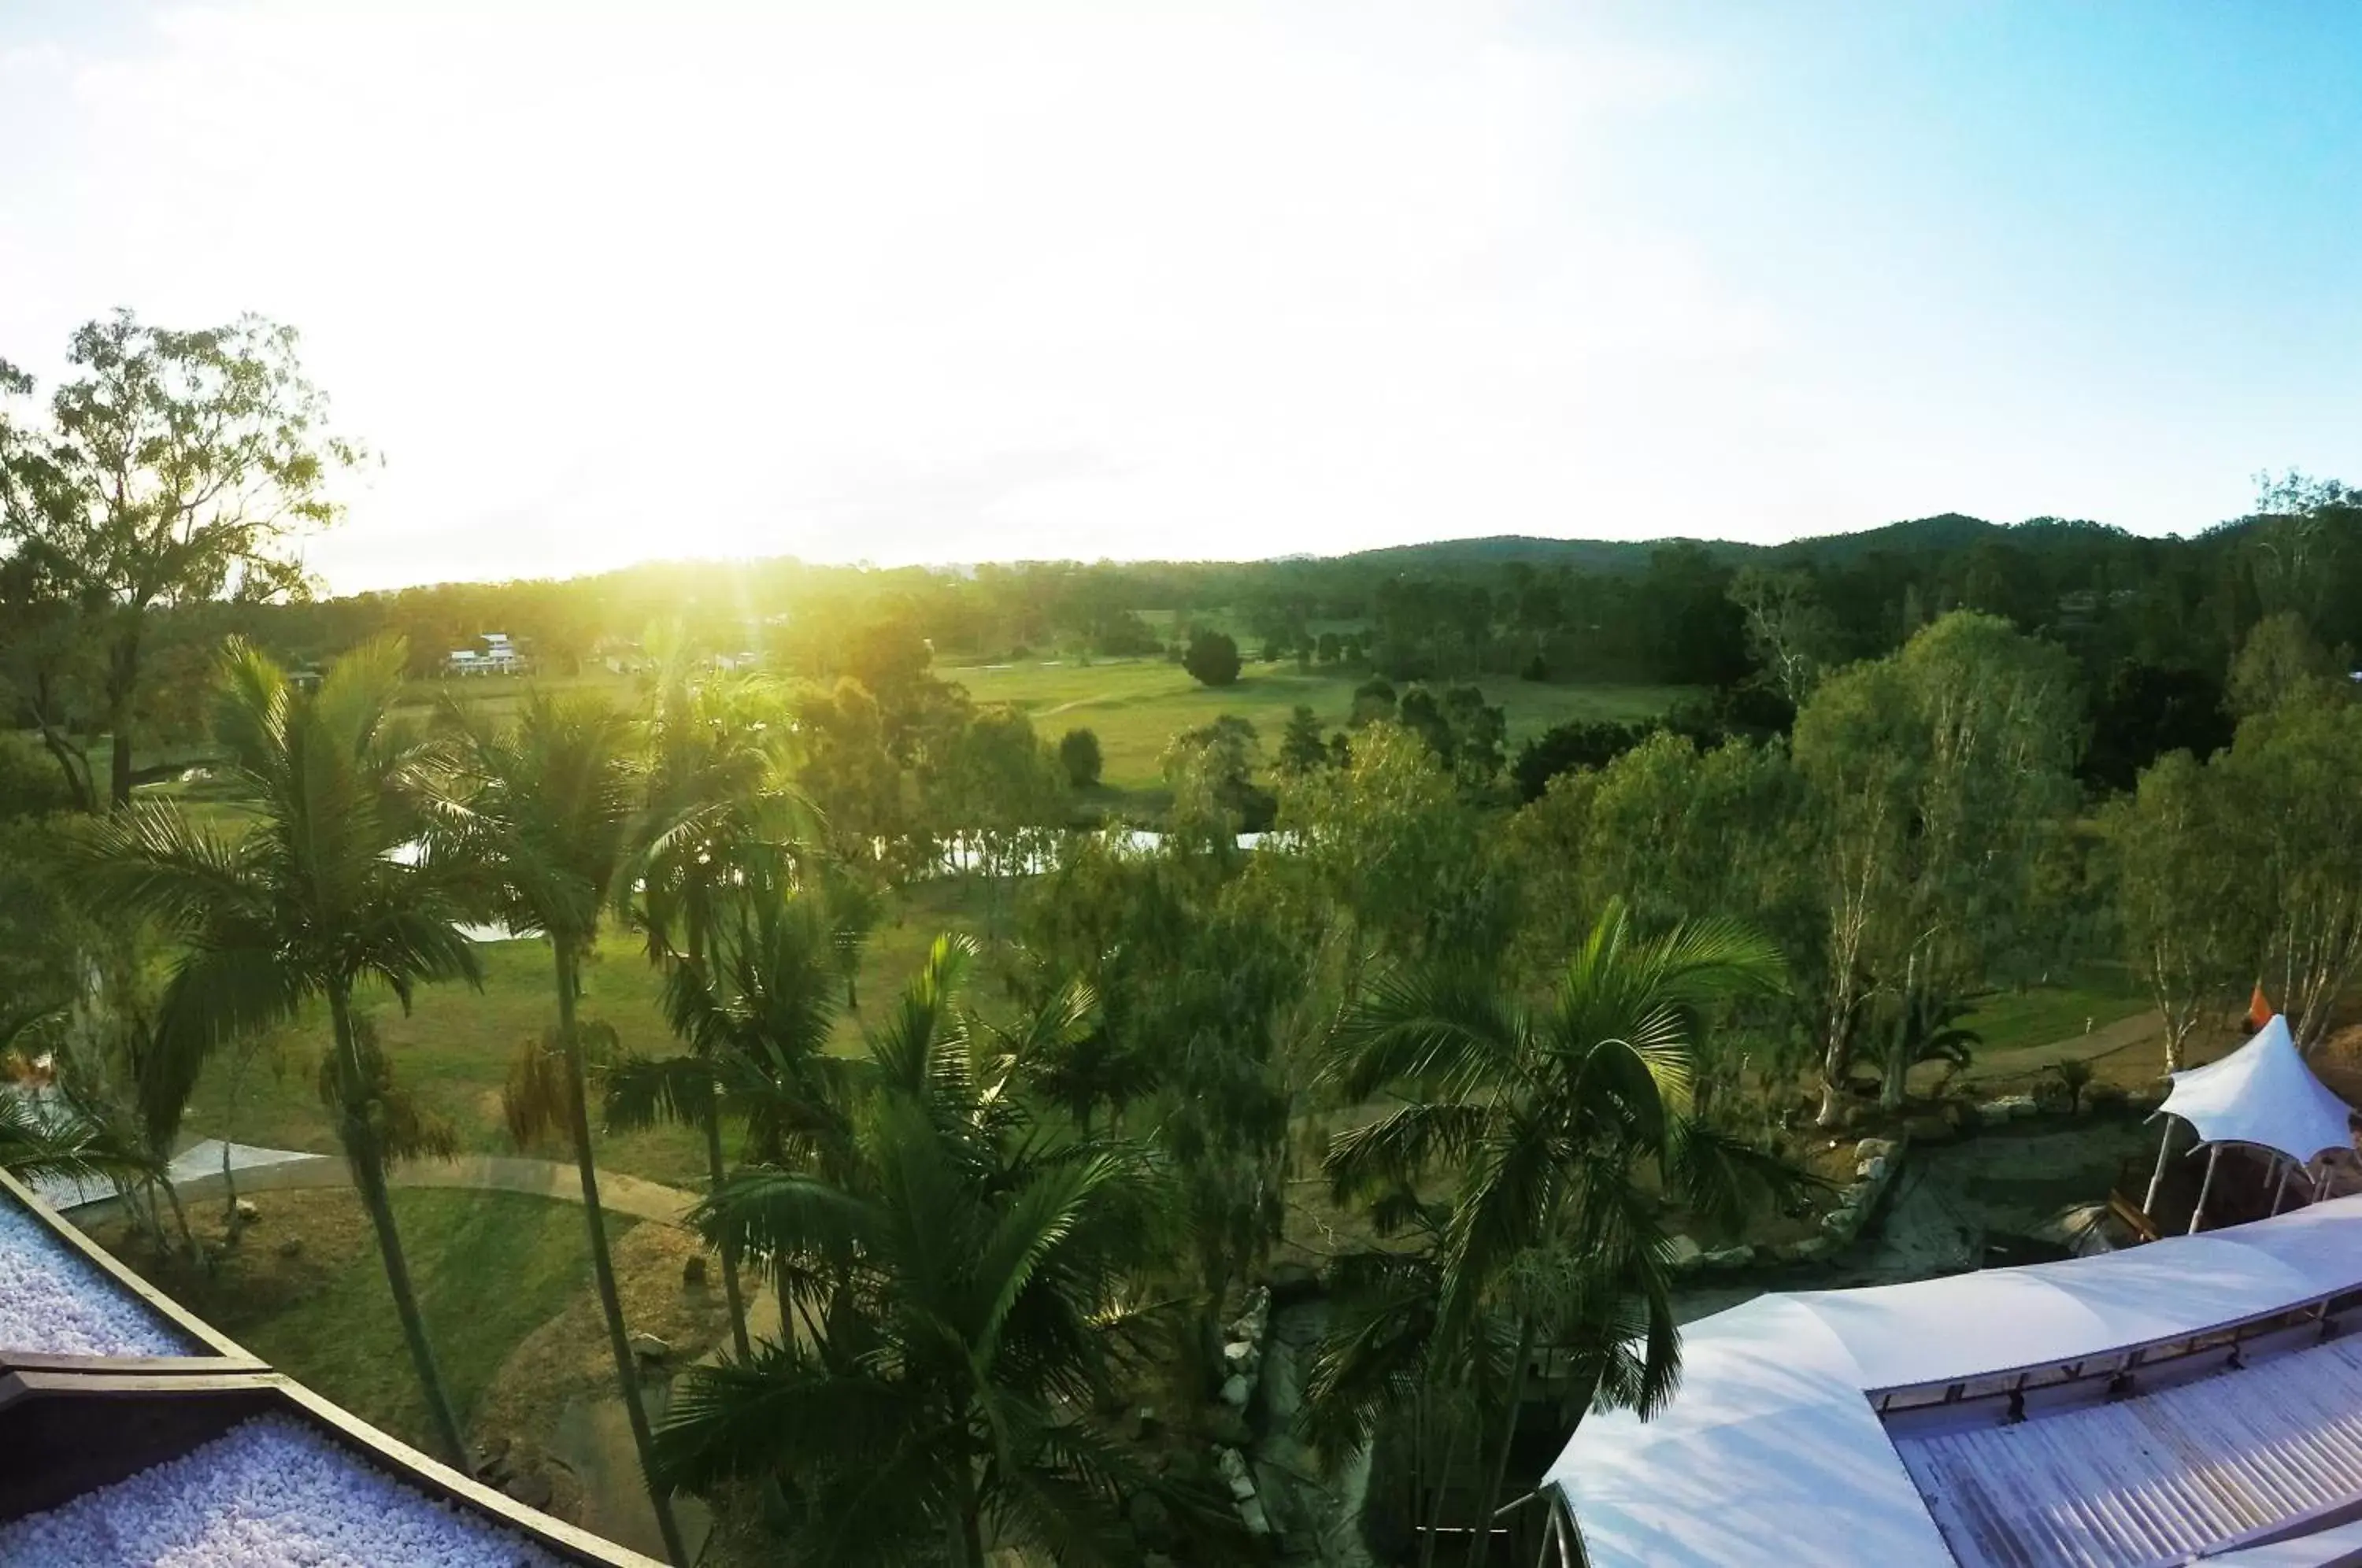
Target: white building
{"x":494,"y":655}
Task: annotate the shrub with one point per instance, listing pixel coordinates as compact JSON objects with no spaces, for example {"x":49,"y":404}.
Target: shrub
{"x":1212,"y":658}
{"x":1078,"y":754}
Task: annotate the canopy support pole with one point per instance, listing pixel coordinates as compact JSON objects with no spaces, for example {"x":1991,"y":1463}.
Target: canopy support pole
{"x":2156,"y":1182}
{"x":2288,"y":1168}
{"x":2214,"y":1158}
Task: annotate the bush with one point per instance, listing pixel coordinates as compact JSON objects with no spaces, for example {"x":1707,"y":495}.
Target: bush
{"x":1212,"y":658}
{"x":31,"y":785}
{"x":1078,"y":754}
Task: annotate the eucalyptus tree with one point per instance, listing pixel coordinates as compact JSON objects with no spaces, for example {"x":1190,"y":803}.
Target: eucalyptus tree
{"x":1555,"y":1121}
{"x":2182,"y":903}
{"x":315,"y":899}
{"x":545,"y":811}
{"x":173,"y":466}
{"x":1940,"y":780}
{"x":966,"y":1282}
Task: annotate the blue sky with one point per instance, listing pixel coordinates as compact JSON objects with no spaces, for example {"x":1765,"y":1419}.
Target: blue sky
{"x":908,"y":281}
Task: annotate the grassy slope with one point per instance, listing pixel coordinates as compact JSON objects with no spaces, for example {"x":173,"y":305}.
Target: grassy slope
{"x":489,"y":1268}
{"x":1135,"y":706}
{"x":2098,"y":994}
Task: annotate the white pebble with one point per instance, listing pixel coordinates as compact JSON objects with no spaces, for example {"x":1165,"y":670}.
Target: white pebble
{"x":54,"y":1301}
{"x":268,"y":1494}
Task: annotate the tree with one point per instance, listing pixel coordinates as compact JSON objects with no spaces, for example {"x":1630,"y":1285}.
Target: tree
{"x":1940,"y":778}
{"x":1212,"y":657}
{"x":2282,"y":661}
{"x":1788,"y":632}
{"x":1578,"y":743}
{"x":315,"y":896}
{"x":1078,"y":754}
{"x":1301,"y":748}
{"x":1550,"y":1118}
{"x":2177,"y":877}
{"x":2145,"y":712}
{"x":174,"y":468}
{"x":966,"y":1284}
{"x":546,"y":811}
{"x":2286,"y":787}
{"x":757,"y":1010}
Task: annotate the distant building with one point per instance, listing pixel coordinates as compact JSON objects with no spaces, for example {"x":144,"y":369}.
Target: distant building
{"x":494,"y":655}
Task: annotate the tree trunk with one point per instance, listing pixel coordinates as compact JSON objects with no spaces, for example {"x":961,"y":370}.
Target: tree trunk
{"x":729,"y":1252}
{"x":122,"y":681}
{"x":1482,"y":1546}
{"x":602,"y":1264}
{"x":368,"y":1178}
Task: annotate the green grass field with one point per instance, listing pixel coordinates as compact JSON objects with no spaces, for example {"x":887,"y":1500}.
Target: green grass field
{"x":453,"y":1050}
{"x":1135,"y":706}
{"x":489,"y":1268}
{"x":2098,"y":994}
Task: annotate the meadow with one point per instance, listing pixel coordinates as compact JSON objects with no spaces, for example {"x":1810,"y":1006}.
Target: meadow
{"x":1135,"y":706}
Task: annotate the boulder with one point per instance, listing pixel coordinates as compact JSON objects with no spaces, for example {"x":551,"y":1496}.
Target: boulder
{"x":648,"y":1347}
{"x":1231,"y":1466}
{"x":1841,"y":1223}
{"x":245,"y":1210}
{"x":1872,"y":1170}
{"x":1144,"y":1424}
{"x":692,"y":1272}
{"x":1728,"y":1257}
{"x":1870,"y":1149}
{"x":532,"y":1491}
{"x":2008,"y":1108}
{"x":1250,"y":1514}
{"x":1238,"y":1355}
{"x":1683,"y":1253}
{"x":1810,"y":1250}
{"x":1236,"y":1391}
{"x":1229,"y":1427}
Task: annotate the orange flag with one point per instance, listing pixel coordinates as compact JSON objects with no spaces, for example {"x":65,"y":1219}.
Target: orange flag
{"x":2260,"y":1008}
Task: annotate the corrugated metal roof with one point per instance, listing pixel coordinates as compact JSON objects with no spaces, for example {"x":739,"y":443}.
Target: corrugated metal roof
{"x":2155,"y":1478}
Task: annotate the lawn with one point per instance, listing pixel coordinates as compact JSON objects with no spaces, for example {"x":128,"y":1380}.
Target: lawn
{"x":453,"y":1049}
{"x":1136,"y":705}
{"x":2096,"y":995}
{"x":489,"y":1267}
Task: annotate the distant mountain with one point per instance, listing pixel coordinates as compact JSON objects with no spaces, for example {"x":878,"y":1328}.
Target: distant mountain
{"x":1940,"y":535}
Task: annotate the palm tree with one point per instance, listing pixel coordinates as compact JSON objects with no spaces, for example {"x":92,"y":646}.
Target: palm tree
{"x":963,"y":1283}
{"x":757,"y":1011}
{"x":315,"y":897}
{"x":1547,"y":1118}
{"x":723,"y":837}
{"x":545,"y":812}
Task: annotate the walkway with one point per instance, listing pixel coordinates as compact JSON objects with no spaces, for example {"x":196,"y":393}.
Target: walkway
{"x":197,"y":1174}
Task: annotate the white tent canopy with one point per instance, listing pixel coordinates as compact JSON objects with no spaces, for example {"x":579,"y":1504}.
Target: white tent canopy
{"x":2262,"y":1094}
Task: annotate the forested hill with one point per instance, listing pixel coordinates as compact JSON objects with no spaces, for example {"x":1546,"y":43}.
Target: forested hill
{"x":1948,"y":532}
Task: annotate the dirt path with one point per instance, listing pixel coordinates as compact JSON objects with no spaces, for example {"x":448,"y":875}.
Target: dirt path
{"x":618,"y":1193}
{"x":2124,"y":1034}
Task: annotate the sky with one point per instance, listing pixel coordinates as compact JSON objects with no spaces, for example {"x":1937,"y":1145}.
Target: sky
{"x":903,"y":283}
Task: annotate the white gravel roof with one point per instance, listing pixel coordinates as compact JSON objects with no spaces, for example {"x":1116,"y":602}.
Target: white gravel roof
{"x":54,"y":1301}
{"x":268,"y":1492}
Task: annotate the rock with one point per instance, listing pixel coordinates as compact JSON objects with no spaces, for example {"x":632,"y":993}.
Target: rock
{"x":1728,"y":1257}
{"x":1872,"y":1170}
{"x":1231,"y":1466}
{"x":1238,"y":1355}
{"x":1236,"y":1390}
{"x":292,"y":1247}
{"x":1144,"y":1424}
{"x":532,"y":1491}
{"x":1682,"y":1252}
{"x":1840,"y":1223}
{"x":1229,"y":1427}
{"x":2008,"y":1108}
{"x":491,"y":1465}
{"x":1872,"y":1149}
{"x":692,"y":1272}
{"x":1152,"y":1521}
{"x":1810,"y":1250}
{"x":648,"y":1347}
{"x":245,"y":1210}
{"x":1250,"y":1514}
